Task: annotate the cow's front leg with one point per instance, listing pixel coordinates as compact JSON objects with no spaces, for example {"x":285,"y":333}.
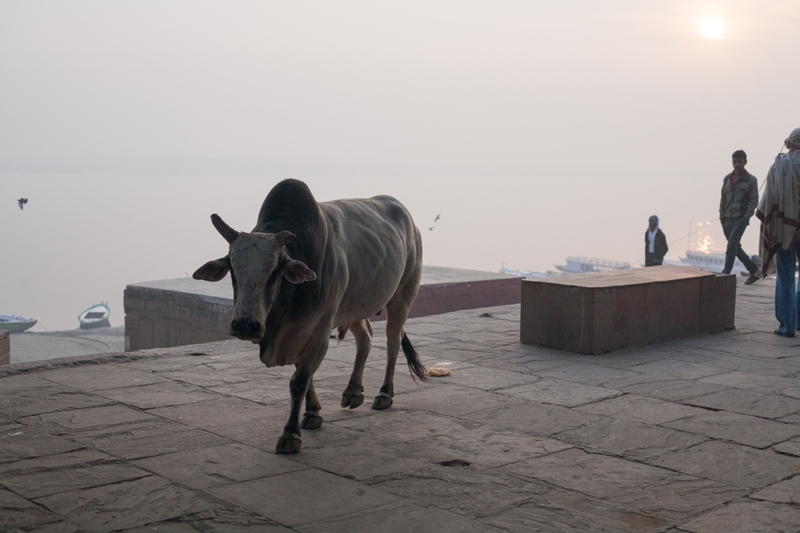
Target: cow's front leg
{"x":311,"y":418}
{"x":310,"y":359}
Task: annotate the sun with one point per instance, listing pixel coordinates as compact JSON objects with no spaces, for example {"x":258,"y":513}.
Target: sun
{"x":712,"y":27}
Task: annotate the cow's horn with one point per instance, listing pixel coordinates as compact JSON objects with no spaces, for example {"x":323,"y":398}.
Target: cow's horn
{"x":227,"y":232}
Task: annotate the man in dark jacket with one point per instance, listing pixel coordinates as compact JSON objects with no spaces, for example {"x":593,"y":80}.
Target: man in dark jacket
{"x":737,"y":204}
{"x":655,"y":244}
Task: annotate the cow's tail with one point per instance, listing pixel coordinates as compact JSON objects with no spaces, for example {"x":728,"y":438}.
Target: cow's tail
{"x":412,"y":357}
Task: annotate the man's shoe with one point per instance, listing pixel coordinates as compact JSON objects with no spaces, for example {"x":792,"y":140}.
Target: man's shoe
{"x":782,"y":334}
{"x":752,"y":279}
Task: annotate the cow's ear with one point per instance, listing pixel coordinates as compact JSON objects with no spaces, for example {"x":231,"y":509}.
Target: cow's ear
{"x":284,"y":237}
{"x":297,"y":272}
{"x":213,"y":270}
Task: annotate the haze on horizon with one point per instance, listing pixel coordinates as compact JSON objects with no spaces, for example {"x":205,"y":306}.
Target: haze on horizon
{"x":540,"y":129}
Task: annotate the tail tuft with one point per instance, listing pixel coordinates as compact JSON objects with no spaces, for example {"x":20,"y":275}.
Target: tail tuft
{"x":414,"y":364}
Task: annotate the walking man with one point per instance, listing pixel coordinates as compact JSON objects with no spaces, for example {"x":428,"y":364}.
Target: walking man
{"x":779,"y":213}
{"x":655,"y":244}
{"x":737,"y":204}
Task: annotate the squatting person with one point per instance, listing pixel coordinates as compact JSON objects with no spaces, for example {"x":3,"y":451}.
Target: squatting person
{"x":737,"y":204}
{"x":779,"y":213}
{"x":655,"y":244}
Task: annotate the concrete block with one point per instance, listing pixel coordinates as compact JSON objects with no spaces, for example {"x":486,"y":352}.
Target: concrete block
{"x":5,"y":348}
{"x":599,"y":312}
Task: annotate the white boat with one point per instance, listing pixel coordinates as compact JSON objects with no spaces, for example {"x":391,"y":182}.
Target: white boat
{"x":579,"y":265}
{"x":711,"y":261}
{"x":15,"y":324}
{"x":527,"y":274}
{"x":95,"y":317}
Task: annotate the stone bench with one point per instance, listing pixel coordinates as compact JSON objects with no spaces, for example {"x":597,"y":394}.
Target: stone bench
{"x":604,"y":311}
{"x":177,"y":312}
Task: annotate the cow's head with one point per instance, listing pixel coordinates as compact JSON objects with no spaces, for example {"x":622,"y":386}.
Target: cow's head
{"x":257,"y":262}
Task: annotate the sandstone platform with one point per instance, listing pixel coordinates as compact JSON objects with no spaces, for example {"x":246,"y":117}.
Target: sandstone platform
{"x":698,"y":435}
{"x":599,"y":312}
{"x":177,"y":312}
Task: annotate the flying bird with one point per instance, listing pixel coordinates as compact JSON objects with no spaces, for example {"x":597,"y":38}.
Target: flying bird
{"x":437,"y":217}
{"x":432,"y":228}
{"x":21,"y":202}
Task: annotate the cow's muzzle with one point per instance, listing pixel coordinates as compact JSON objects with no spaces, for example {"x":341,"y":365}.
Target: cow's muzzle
{"x":246,"y":329}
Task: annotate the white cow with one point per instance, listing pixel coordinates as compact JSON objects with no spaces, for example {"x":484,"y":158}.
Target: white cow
{"x":308,"y":268}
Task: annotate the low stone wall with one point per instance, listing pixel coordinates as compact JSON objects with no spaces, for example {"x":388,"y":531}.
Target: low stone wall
{"x":178,"y":312}
{"x":600,"y":312}
{"x":5,"y":348}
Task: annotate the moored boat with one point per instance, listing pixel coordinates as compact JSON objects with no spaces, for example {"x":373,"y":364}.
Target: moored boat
{"x":95,"y":317}
{"x":15,"y":324}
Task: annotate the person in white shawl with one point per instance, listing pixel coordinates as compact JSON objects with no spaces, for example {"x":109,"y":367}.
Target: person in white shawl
{"x":779,"y":243}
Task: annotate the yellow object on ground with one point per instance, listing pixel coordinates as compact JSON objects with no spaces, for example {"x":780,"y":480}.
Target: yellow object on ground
{"x":439,"y":372}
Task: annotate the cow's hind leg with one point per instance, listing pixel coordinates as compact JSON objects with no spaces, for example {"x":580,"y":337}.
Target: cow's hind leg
{"x":396,"y":315}
{"x":353,"y":395}
{"x":311,"y":418}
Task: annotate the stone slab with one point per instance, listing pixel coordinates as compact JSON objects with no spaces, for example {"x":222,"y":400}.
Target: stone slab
{"x":604,"y":311}
{"x":184,"y":311}
{"x":290,"y":497}
{"x":747,"y":517}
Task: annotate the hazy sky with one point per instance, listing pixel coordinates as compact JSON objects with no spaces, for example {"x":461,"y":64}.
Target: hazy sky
{"x":576,"y":87}
{"x":538,"y":129}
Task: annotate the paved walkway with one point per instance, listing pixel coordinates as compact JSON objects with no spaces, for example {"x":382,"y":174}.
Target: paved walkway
{"x":700,"y":435}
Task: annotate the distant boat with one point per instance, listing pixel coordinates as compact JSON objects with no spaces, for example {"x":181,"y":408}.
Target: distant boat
{"x":95,"y":317}
{"x":579,"y":265}
{"x":15,"y":324}
{"x":527,"y":274}
{"x":711,"y":261}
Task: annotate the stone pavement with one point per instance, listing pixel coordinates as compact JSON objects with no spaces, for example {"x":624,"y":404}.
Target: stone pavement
{"x":700,"y":435}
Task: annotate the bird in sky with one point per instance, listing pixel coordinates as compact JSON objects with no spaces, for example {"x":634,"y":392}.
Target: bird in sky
{"x":432,"y":228}
{"x":21,"y":202}
{"x":437,"y":217}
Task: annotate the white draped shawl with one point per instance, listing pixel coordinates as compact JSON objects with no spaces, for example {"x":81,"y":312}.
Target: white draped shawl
{"x":779,"y":208}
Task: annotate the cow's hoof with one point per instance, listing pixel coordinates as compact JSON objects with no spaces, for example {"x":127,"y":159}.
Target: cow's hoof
{"x":288,"y":444}
{"x":382,"y":401}
{"x":352,"y":399}
{"x":311,"y":421}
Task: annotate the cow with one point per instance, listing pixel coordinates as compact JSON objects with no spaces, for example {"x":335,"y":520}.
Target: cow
{"x":309,"y":268}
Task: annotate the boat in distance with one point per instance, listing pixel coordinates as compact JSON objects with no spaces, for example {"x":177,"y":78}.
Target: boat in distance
{"x":15,"y":324}
{"x":95,"y":317}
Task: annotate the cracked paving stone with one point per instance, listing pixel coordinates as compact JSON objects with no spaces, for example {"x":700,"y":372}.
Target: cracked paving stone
{"x":787,"y":491}
{"x":396,"y":425}
{"x":734,"y":464}
{"x":148,"y":438}
{"x":100,"y":377}
{"x":17,"y":512}
{"x":157,"y":395}
{"x":747,"y":517}
{"x":472,"y":491}
{"x":220,"y":412}
{"x":679,"y":497}
{"x":219,"y":465}
{"x":47,"y":475}
{"x":453,"y":400}
{"x":125,"y":505}
{"x":596,"y":475}
{"x":675,"y":390}
{"x":401,"y":519}
{"x":743,"y":429}
{"x":562,"y":512}
{"x":95,"y":417}
{"x":641,"y":408}
{"x":290,"y":499}
{"x":559,"y":392}
{"x":25,"y":442}
{"x":629,"y":438}
{"x":749,"y":403}
{"x":790,"y":447}
{"x":46,"y":400}
{"x":533,"y":417}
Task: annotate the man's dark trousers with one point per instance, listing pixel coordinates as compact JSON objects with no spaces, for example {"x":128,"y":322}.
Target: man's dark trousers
{"x":734,"y":230}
